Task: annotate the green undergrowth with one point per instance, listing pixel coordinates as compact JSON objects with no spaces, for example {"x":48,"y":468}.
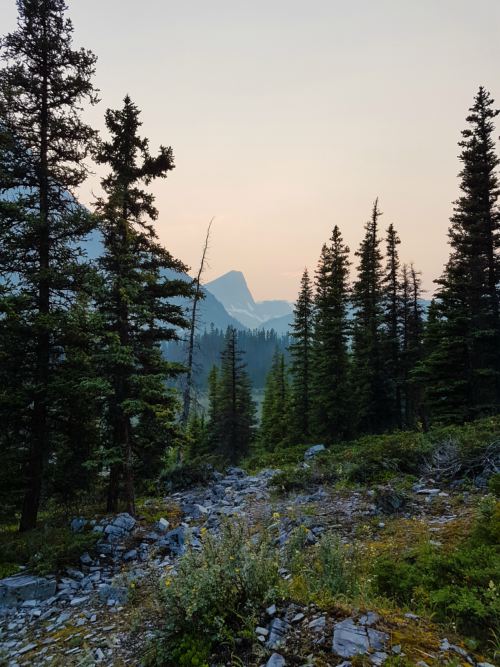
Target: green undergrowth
{"x":377,"y":459}
{"x":211,"y":606}
{"x":458,"y":586}
{"x":215,"y":598}
{"x":45,"y":550}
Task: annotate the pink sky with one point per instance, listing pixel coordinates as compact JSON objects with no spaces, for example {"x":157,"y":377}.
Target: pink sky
{"x":287,"y":117}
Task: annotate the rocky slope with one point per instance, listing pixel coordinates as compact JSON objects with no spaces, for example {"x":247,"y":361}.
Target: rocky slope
{"x":97,"y":614}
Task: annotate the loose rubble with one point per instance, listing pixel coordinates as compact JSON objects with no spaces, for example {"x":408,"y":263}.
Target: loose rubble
{"x":80,"y":616}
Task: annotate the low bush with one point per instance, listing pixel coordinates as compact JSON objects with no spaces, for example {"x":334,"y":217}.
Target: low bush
{"x":45,"y":550}
{"x":323,"y":573}
{"x":215,"y":597}
{"x":457,"y":586}
{"x":178,"y":477}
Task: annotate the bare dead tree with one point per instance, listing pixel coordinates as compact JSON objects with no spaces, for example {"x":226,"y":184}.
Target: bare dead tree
{"x":198,"y":294}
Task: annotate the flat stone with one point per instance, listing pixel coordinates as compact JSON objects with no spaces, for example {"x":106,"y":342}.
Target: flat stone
{"x":276,"y":660}
{"x":262,"y":631}
{"x":317,"y":624}
{"x":21,"y":587}
{"x":349,"y":639}
{"x":370,"y":618}
{"x":277,"y":631}
{"x":163,"y":525}
{"x":298,"y":617}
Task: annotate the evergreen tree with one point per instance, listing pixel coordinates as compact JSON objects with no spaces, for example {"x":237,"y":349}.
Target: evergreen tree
{"x":330,"y":370}
{"x":135,"y":301}
{"x":300,"y":367}
{"x":391,"y":312}
{"x":275,"y":423}
{"x":411,"y":317}
{"x":369,"y":378}
{"x":42,"y":86}
{"x":466,"y":320}
{"x":234,"y":418}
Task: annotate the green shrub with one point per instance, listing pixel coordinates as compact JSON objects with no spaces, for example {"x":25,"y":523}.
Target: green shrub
{"x":322,"y":572}
{"x":215,"y":597}
{"x":494,"y":484}
{"x":178,"y":477}
{"x":45,"y":550}
{"x":458,"y":586}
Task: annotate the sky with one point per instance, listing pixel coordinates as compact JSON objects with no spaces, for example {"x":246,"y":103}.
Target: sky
{"x":287,"y":117}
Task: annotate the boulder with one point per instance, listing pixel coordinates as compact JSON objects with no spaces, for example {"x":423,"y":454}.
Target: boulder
{"x":350,"y":639}
{"x":313,"y":451}
{"x":15,"y":590}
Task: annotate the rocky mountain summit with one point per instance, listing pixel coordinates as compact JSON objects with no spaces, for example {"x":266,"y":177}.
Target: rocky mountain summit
{"x":88,"y":615}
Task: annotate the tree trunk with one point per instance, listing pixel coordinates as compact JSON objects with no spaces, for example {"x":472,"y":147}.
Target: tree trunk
{"x":40,"y":440}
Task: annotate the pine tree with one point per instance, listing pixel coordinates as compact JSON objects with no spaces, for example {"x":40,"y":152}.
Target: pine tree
{"x":330,"y":370}
{"x":135,"y":301}
{"x":412,"y":326}
{"x":368,"y":372}
{"x":42,"y":86}
{"x":467,"y":321}
{"x":274,"y":425}
{"x":300,"y":367}
{"x":391,"y":311}
{"x":235,"y":414}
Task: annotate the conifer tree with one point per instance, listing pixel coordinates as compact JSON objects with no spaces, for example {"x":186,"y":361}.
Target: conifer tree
{"x":330,"y":371}
{"x":134,"y":301}
{"x":368,"y":372}
{"x":391,"y":340}
{"x":42,"y":87}
{"x":466,"y":321}
{"x":274,"y":423}
{"x":411,"y":318}
{"x":300,"y":367}
{"x":235,"y":413}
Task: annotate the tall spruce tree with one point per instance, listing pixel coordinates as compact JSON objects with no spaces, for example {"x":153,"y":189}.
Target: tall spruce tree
{"x":234,"y":411}
{"x":274,"y":427}
{"x":391,"y":319}
{"x":412,"y":326}
{"x":134,"y":301}
{"x":300,"y":367}
{"x":368,"y":372}
{"x":330,"y":370}
{"x":466,"y":320}
{"x":42,"y":87}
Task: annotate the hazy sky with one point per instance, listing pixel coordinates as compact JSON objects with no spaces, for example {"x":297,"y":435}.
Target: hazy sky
{"x":287,"y":117}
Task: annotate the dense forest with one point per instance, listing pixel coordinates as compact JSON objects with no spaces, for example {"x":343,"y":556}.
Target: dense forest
{"x":93,"y":355}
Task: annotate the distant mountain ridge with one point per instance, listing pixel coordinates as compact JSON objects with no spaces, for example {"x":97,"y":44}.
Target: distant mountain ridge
{"x":232,"y":291}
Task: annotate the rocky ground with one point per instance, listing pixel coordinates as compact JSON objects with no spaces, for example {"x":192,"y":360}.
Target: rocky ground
{"x":86,"y":616}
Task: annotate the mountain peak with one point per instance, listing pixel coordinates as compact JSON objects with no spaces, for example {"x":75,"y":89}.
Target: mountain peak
{"x":232,"y":291}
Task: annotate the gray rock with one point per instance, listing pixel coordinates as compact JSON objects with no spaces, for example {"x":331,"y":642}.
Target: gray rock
{"x":125,"y":522}
{"x":271,"y":611}
{"x":276,"y":660}
{"x":78,"y":524}
{"x":349,"y":639}
{"x":377,"y":639}
{"x":163,"y":525}
{"x":21,"y":587}
{"x":317,"y":624}
{"x":313,"y":451}
{"x":485,"y":664}
{"x":378,"y":658}
{"x":85,"y":559}
{"x":262,"y":631}
{"x":130,"y":555}
{"x":370,"y":618}
{"x":277,"y":631}
{"x":117,"y":593}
